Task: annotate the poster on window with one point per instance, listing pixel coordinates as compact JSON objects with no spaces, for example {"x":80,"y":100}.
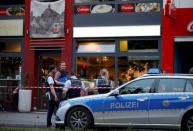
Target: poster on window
{"x":47,"y":18}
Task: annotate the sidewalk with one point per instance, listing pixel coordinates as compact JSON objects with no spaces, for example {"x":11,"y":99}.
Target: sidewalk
{"x":32,"y":120}
{"x":17,"y":119}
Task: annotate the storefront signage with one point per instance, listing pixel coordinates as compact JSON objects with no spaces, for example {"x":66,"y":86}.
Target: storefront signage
{"x":83,"y":9}
{"x":190,"y":27}
{"x":12,"y":11}
{"x":47,"y":19}
{"x":2,"y":11}
{"x":170,"y":9}
{"x":127,"y":8}
{"x":11,"y":27}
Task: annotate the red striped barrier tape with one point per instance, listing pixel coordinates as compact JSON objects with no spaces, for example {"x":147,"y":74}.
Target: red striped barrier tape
{"x":31,"y":87}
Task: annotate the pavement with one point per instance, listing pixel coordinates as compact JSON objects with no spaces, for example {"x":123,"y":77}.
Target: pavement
{"x":17,"y":119}
{"x":32,"y":120}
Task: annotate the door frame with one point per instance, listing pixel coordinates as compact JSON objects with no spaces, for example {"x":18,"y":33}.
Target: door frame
{"x":39,"y":54}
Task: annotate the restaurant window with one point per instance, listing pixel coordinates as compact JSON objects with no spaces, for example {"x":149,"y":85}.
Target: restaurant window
{"x":96,"y":47}
{"x":9,"y":67}
{"x":10,"y":78}
{"x":89,"y":67}
{"x":130,"y":68}
{"x":139,"y":45}
{"x":10,"y":47}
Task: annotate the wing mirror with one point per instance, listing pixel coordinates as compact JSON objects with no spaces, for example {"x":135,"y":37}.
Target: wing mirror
{"x":115,"y":93}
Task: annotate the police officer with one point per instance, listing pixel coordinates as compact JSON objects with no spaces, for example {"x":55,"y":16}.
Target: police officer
{"x":51,"y":94}
{"x":60,"y":78}
{"x":75,"y":86}
{"x":103,"y":83}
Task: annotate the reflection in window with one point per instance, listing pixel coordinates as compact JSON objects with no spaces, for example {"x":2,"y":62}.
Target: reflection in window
{"x":130,"y":69}
{"x":189,"y":87}
{"x":89,"y":67}
{"x":9,"y":67}
{"x":10,"y":47}
{"x":139,"y":45}
{"x":136,"y":87}
{"x":171,"y":85}
{"x":96,"y":47}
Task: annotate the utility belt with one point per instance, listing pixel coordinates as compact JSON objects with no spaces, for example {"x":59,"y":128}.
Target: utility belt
{"x":51,"y":97}
{"x":73,"y":92}
{"x":102,"y":90}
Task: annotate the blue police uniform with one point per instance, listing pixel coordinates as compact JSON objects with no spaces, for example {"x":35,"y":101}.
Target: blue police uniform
{"x":75,"y":88}
{"x":103,"y":85}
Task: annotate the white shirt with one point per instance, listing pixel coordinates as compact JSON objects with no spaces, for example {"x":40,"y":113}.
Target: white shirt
{"x":50,"y":80}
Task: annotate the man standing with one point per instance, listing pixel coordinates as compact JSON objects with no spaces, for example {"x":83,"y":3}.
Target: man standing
{"x":60,"y":78}
{"x":51,"y":94}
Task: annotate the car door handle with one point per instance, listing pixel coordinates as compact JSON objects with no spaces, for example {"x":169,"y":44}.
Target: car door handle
{"x":183,"y":97}
{"x":142,"y":99}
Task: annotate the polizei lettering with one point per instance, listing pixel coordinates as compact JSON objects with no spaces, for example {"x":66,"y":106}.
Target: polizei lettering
{"x":124,"y":105}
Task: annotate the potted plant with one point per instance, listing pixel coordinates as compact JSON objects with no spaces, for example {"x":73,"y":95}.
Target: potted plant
{"x":25,"y":95}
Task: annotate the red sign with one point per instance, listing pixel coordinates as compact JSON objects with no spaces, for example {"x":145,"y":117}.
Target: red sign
{"x":190,"y":27}
{"x":127,"y":8}
{"x":83,"y":9}
{"x":3,"y":11}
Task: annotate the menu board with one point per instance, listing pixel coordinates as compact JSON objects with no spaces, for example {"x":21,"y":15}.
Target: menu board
{"x":47,"y":19}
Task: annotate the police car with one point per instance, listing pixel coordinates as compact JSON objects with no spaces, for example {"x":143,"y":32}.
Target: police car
{"x":156,"y":101}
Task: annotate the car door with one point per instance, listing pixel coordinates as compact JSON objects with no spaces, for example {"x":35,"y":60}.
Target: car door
{"x":131,"y":105}
{"x":165,"y":105}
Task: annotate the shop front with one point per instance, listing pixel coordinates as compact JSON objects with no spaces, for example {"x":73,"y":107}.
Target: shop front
{"x":116,"y":35}
{"x":178,"y":36}
{"x":48,"y":42}
{"x":124,"y":58}
{"x":11,"y":53}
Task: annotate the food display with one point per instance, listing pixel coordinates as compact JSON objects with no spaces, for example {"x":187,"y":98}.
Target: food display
{"x":102,"y":9}
{"x":147,"y":7}
{"x":15,"y":11}
{"x":84,"y":1}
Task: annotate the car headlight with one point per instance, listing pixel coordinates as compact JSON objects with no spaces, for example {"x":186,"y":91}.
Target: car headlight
{"x":63,"y":103}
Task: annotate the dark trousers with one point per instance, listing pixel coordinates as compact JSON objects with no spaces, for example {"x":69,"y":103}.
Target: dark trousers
{"x":51,"y":105}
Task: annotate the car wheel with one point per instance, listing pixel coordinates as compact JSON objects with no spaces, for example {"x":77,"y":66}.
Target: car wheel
{"x":187,"y":123}
{"x":79,"y":118}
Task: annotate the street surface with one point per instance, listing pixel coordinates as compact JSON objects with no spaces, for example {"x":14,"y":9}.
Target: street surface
{"x":34,"y":120}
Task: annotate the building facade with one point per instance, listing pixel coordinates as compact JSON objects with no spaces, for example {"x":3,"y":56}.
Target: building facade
{"x":177,"y":36}
{"x":122,"y":36}
{"x":127,"y":37}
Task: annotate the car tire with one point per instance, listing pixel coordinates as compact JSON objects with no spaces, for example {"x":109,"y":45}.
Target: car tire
{"x":79,"y":118}
{"x":187,"y":122}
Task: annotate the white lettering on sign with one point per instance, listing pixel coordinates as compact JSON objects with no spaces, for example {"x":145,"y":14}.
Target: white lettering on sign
{"x":190,"y":27}
{"x":124,"y":105}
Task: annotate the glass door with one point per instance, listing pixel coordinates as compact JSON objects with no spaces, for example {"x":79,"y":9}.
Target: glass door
{"x":44,"y":60}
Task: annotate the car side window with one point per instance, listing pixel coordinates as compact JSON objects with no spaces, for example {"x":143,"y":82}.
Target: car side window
{"x":189,"y":87}
{"x":139,"y":86}
{"x":171,"y":85}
